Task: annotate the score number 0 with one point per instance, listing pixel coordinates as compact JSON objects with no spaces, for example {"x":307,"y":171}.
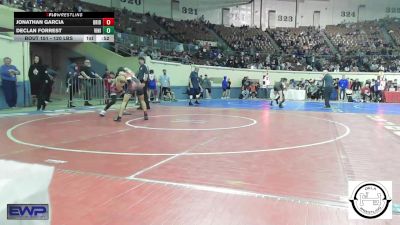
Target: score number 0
{"x":108,"y":25}
{"x":108,"y":21}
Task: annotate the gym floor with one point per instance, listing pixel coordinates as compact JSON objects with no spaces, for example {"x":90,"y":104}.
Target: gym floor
{"x":223,"y":162}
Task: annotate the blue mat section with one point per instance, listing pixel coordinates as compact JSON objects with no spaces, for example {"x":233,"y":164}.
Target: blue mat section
{"x":337,"y":107}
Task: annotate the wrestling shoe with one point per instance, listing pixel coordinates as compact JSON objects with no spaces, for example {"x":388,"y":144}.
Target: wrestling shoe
{"x":117,"y":119}
{"x":146,"y":117}
{"x":102,"y":113}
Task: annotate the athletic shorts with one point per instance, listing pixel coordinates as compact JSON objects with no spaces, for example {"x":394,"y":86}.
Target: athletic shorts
{"x":140,"y":91}
{"x":194,"y":91}
{"x":116,"y":93}
{"x":135,"y":87}
{"x":152,"y":86}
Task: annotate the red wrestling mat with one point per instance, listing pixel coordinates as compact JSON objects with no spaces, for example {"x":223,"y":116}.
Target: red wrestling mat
{"x":204,"y":166}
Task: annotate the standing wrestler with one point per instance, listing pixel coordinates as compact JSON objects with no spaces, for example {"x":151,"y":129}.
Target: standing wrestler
{"x":133,"y":84}
{"x":279,"y":87}
{"x":116,"y":90}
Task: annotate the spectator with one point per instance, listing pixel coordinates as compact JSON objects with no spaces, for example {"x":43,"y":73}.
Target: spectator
{"x":201,"y":80}
{"x":165,"y":85}
{"x":372,"y":88}
{"x":343,"y":85}
{"x":292,"y":84}
{"x":377,"y":91}
{"x":207,"y":87}
{"x":228,"y":89}
{"x":245,"y":88}
{"x":51,"y":74}
{"x":224,"y":87}
{"x":265,"y":83}
{"x":72,"y":82}
{"x":169,"y":95}
{"x":35,"y":73}
{"x":88,"y":76}
{"x":39,"y":79}
{"x":28,"y":6}
{"x":356,"y":87}
{"x":366,"y":93}
{"x":152,"y":90}
{"x":9,"y":81}
{"x":253,"y":90}
{"x":108,"y":77}
{"x":313,"y":91}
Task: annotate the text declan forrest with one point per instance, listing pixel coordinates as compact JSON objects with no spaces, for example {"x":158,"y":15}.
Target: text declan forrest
{"x":40,"y":30}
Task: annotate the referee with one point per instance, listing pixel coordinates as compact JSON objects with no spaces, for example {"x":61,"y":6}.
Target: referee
{"x":143,"y":75}
{"x":328,"y":87}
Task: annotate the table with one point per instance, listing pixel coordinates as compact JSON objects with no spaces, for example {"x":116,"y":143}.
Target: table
{"x":392,"y":97}
{"x":292,"y":94}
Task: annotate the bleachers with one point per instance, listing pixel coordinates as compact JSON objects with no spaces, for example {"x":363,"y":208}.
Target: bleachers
{"x":187,"y":31}
{"x":302,"y":40}
{"x":244,"y":38}
{"x":393,"y":26}
{"x":351,"y":38}
{"x":139,"y":24}
{"x":303,"y":48}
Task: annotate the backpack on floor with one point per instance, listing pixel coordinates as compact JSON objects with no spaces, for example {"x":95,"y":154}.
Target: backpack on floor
{"x":350,"y":98}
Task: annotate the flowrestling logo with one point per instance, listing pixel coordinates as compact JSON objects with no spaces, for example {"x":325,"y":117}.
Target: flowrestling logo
{"x":370,"y":200}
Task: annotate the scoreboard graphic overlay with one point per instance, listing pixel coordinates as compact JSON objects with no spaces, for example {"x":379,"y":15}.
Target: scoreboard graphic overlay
{"x":64,"y":26}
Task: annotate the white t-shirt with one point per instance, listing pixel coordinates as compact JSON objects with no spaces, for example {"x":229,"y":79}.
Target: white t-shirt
{"x":382,"y":85}
{"x":151,"y":76}
{"x":266,"y":81}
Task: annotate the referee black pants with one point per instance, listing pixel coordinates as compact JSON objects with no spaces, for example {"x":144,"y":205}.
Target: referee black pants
{"x":146,"y":96}
{"x":41,"y":98}
{"x":327,"y":95}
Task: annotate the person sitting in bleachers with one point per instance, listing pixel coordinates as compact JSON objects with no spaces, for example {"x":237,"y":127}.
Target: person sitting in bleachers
{"x":253,"y":90}
{"x":313,"y":91}
{"x":366,"y":93}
